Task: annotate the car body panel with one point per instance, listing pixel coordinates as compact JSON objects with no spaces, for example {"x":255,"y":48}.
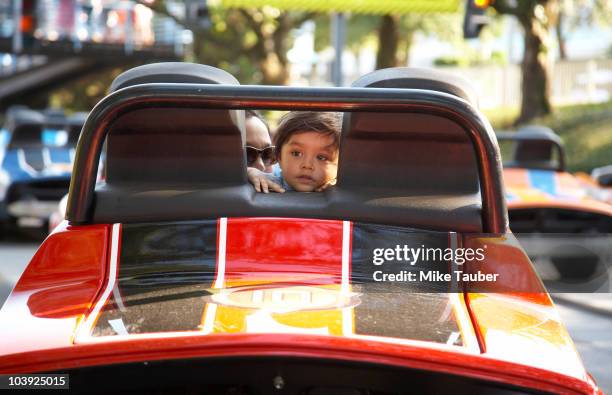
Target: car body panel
{"x":417,"y":356}
{"x":56,"y":289}
{"x":519,"y":331}
{"x":595,"y":189}
{"x":509,"y":325}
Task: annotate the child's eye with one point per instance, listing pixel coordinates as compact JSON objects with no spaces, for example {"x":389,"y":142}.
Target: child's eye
{"x":297,"y":154}
{"x":322,"y":157}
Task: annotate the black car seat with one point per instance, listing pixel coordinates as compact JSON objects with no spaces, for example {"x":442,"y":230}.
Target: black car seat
{"x":417,"y":156}
{"x":176,"y":144}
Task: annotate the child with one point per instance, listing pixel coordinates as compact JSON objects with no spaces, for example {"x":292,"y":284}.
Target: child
{"x":307,"y":145}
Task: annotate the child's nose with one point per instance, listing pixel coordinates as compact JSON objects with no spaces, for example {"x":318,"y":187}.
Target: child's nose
{"x":308,"y":162}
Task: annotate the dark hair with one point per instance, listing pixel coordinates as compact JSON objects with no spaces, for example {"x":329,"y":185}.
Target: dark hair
{"x":255,"y":114}
{"x":295,"y":122}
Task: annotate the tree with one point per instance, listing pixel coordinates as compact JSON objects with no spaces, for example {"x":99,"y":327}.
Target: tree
{"x":536,"y":18}
{"x":396,"y":35}
{"x":84,"y":93}
{"x":392,"y":35}
{"x":388,"y":41}
{"x":559,"y":30}
{"x":255,"y":40}
{"x":251,"y":44}
{"x":533,"y":18}
{"x":570,"y":15}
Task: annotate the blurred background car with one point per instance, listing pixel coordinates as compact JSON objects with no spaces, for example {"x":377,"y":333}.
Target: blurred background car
{"x":35,"y":165}
{"x":542,"y":196}
{"x":560,"y":220}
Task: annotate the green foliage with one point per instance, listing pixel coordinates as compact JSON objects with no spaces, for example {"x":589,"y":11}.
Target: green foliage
{"x":83,"y":94}
{"x":446,"y":27}
{"x":252,"y":44}
{"x":585,"y":130}
{"x":360,"y":31}
{"x":472,"y":58}
{"x":396,"y":7}
{"x":227,"y":44}
{"x":451,"y":61}
{"x":502,"y":117}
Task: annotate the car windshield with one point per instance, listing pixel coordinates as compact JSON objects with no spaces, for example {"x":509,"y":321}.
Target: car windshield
{"x":38,"y":136}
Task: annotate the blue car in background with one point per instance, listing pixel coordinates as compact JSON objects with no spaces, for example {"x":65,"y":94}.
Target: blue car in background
{"x":36,"y":154}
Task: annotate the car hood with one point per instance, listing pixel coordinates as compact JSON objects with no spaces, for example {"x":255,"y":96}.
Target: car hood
{"x":274,"y":276}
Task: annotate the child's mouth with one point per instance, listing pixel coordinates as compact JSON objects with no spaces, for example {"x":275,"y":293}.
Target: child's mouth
{"x":306,"y":179}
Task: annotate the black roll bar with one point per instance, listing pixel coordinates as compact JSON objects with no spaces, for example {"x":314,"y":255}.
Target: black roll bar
{"x":99,"y":121}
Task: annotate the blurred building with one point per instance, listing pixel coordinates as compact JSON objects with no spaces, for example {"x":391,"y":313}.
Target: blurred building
{"x":83,"y":22}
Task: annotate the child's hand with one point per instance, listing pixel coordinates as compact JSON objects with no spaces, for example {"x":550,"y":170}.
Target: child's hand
{"x":326,"y":185}
{"x":261,"y":182}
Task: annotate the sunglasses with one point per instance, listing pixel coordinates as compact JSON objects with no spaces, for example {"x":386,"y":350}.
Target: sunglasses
{"x":268,"y":155}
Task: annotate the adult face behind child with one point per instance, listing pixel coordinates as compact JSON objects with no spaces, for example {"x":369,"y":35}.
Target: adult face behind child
{"x":259,"y":145}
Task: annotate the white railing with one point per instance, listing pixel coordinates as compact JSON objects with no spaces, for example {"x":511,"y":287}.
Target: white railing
{"x":573,"y":82}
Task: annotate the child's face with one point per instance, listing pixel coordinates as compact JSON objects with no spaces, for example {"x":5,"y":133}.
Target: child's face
{"x":309,"y":160}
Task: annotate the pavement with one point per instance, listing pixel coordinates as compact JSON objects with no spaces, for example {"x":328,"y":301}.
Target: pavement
{"x":599,"y":303}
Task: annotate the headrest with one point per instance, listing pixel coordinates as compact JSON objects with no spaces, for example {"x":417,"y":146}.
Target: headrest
{"x":176,"y":144}
{"x":172,"y":72}
{"x":424,"y":146}
{"x":25,"y":126}
{"x":535,"y":147}
{"x":535,"y":143}
{"x":603,"y":175}
{"x":22,"y":115}
{"x":54,"y":115}
{"x":538,"y":132}
{"x":78,"y":118}
{"x":26,"y":135}
{"x":412,"y":78}
{"x":405,"y":155}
